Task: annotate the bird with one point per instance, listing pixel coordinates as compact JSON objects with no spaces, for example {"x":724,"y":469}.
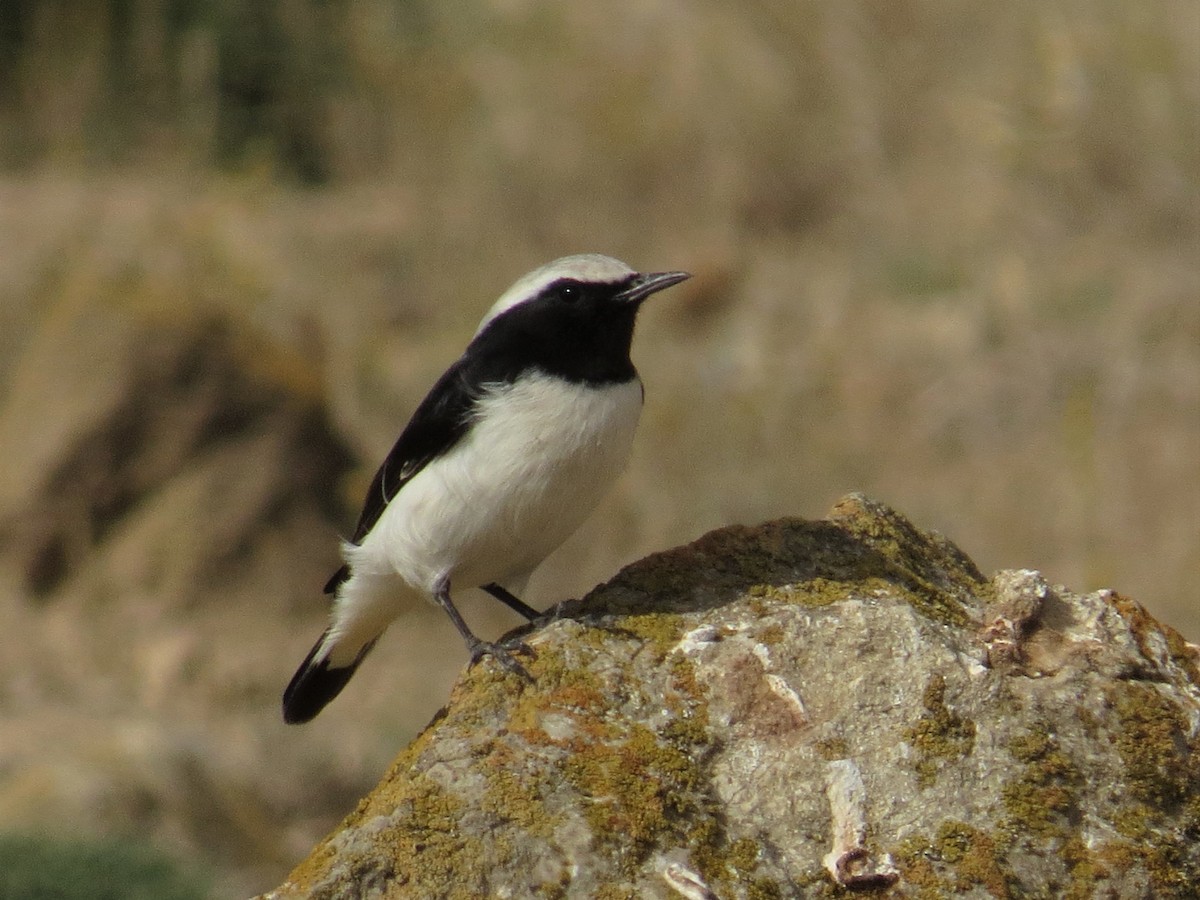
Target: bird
{"x":504,"y":459}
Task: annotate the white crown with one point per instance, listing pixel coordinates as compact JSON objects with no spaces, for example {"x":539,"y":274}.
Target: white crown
{"x":587,"y":267}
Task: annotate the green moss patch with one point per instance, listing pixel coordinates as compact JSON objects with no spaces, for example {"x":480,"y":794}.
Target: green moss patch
{"x":1039,"y":800}
{"x":940,"y":735}
{"x":1161,"y":812}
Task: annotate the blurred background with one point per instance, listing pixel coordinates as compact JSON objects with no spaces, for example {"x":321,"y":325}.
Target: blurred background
{"x":947,"y":254}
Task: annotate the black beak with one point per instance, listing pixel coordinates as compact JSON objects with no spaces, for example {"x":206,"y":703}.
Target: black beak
{"x":642,"y":286}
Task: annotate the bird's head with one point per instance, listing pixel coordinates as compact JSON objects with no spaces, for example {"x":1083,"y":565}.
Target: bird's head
{"x":572,"y":317}
{"x":581,"y":285}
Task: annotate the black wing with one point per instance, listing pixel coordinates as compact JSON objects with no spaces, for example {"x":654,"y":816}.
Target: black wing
{"x":438,"y":424}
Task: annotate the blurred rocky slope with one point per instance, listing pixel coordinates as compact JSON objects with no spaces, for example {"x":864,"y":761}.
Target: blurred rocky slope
{"x":168,"y":506}
{"x":945,"y":257}
{"x":795,"y":708}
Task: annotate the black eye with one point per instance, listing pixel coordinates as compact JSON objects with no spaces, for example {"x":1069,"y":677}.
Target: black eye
{"x":569,"y":293}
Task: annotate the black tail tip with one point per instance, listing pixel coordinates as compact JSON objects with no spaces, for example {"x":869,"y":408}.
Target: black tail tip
{"x":311,"y":689}
{"x":315,"y":684}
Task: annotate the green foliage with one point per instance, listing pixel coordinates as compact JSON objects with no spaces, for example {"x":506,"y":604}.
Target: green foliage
{"x":239,"y":84}
{"x":43,"y":868}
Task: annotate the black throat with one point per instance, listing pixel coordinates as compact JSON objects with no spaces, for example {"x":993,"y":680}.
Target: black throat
{"x":587,"y":342}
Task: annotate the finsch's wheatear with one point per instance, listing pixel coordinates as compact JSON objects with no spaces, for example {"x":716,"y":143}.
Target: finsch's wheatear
{"x":508,"y":454}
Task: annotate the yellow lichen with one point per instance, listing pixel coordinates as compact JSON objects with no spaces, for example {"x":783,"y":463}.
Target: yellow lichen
{"x":1041,"y":796}
{"x":939,"y":735}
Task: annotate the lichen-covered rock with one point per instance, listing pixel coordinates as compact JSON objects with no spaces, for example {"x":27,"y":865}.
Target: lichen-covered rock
{"x":794,"y":710}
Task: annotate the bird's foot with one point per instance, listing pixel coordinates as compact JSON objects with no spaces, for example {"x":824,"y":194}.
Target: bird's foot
{"x":501,"y":654}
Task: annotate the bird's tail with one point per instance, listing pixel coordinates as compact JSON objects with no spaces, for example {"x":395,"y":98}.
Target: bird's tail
{"x":318,"y":681}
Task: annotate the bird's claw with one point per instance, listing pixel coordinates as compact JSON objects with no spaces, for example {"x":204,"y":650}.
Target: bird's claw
{"x":502,"y":655}
{"x":516,"y":645}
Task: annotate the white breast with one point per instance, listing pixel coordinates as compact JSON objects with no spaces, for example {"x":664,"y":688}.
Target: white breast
{"x":540,"y":456}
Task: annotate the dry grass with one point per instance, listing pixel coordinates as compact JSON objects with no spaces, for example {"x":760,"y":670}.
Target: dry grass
{"x":949,"y":256}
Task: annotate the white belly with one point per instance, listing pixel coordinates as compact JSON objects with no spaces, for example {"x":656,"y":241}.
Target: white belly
{"x":539,"y":458}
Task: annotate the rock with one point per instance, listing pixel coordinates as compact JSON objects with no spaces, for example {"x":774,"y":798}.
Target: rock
{"x":797,"y":709}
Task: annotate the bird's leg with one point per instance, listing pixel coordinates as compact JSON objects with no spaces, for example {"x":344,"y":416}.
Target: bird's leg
{"x":475,"y":646}
{"x":512,"y":601}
